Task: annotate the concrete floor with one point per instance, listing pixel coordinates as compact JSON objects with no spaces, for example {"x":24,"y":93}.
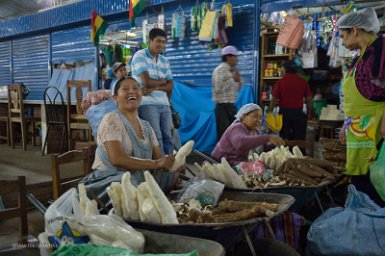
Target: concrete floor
{"x":37,"y":169}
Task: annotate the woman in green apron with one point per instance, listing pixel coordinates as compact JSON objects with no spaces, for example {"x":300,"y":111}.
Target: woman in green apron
{"x":364,"y":96}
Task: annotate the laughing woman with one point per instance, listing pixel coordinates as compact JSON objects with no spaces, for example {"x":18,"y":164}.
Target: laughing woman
{"x":364,"y":96}
{"x":127,"y":143}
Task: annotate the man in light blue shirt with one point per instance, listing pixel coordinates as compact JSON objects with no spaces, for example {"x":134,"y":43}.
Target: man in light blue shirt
{"x":152,"y":71}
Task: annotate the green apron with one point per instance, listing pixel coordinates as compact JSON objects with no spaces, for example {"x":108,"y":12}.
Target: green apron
{"x":362,"y":124}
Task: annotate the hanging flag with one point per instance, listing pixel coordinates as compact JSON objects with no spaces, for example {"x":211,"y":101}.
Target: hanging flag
{"x":136,"y":7}
{"x":98,"y":27}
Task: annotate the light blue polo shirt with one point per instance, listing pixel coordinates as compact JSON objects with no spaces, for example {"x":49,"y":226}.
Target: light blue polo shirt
{"x":143,"y":61}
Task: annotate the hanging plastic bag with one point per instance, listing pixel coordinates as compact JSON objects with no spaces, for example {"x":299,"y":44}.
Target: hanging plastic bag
{"x":227,"y":11}
{"x":161,"y":19}
{"x":195,"y":17}
{"x":377,"y":172}
{"x":274,"y":122}
{"x":291,"y":33}
{"x":202,"y":13}
{"x":178,"y":23}
{"x":206,"y":33}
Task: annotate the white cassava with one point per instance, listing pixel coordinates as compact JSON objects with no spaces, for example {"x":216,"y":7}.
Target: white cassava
{"x":130,"y":200}
{"x":180,"y":157}
{"x":167,"y":213}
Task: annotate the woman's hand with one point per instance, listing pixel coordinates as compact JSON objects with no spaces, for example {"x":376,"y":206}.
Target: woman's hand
{"x":342,"y":135}
{"x":165,"y":162}
{"x":277,"y":141}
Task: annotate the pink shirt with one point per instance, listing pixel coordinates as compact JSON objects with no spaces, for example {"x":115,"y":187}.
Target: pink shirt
{"x":236,"y":143}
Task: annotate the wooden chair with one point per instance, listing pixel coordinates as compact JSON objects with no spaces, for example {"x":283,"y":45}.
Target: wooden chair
{"x":60,"y":185}
{"x":77,"y":121}
{"x":303,"y":144}
{"x":11,"y":186}
{"x":17,"y":114}
{"x":56,"y":115}
{"x":5,"y":136}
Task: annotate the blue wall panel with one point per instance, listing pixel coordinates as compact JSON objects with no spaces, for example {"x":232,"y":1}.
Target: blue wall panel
{"x":30,"y":63}
{"x":72,"y":45}
{"x":5,"y":63}
{"x":64,"y":15}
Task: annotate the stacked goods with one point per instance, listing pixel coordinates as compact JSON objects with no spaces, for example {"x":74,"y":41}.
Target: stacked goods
{"x":278,"y":167}
{"x":305,"y":172}
{"x":334,"y":152}
{"x":227,"y":211}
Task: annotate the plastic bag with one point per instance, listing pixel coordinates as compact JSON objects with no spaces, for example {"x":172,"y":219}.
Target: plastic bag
{"x":377,"y":172}
{"x":113,"y":229}
{"x":65,"y":208}
{"x":274,"y":122}
{"x":357,"y":229}
{"x":205,"y":191}
{"x":100,"y":250}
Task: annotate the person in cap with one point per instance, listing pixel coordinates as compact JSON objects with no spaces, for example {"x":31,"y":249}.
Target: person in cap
{"x":127,"y":143}
{"x":242,"y":136}
{"x":152,"y":70}
{"x":290,"y":92}
{"x":119,"y":69}
{"x":226,"y":82}
{"x":364,"y":96}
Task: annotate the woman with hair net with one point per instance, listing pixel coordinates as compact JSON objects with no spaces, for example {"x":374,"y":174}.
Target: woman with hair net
{"x":364,"y":96}
{"x":242,"y":136}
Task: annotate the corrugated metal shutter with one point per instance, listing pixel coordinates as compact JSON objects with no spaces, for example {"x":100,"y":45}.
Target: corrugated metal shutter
{"x":194,"y":63}
{"x":72,"y":45}
{"x":5,"y":63}
{"x":30,"y":64}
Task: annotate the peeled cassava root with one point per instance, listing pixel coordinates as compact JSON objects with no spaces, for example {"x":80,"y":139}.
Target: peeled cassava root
{"x":180,"y":157}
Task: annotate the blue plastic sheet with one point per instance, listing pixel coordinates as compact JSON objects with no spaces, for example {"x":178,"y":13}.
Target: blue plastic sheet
{"x":60,"y":76}
{"x":196,"y":108}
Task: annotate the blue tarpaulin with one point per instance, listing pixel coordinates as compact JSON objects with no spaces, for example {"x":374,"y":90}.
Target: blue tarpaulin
{"x":196,"y":108}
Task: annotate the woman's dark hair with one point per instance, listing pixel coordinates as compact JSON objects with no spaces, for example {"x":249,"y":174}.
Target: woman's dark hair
{"x":224,"y":57}
{"x":156,"y":32}
{"x":118,"y":83}
{"x":348,"y":30}
{"x":290,"y":67}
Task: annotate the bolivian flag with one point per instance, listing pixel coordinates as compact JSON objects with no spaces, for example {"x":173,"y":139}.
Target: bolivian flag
{"x":98,"y":27}
{"x":136,"y":7}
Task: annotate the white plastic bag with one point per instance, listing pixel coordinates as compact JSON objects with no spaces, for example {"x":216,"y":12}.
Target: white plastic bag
{"x":65,"y":208}
{"x":114,"y":229}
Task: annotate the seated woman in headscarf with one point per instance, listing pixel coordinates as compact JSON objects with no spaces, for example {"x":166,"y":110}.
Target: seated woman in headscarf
{"x":242,"y":136}
{"x":127,"y":143}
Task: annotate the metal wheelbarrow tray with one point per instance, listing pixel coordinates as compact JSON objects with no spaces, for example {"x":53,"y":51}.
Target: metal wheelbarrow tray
{"x":157,"y":242}
{"x":302,"y":194}
{"x":228,"y":233}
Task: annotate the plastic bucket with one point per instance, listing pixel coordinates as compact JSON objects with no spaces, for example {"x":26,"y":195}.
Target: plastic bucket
{"x":318,"y":105}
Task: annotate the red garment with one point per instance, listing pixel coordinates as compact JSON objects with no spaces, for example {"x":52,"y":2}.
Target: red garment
{"x":290,"y":91}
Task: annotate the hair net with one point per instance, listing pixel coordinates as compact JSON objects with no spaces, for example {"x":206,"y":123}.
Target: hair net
{"x":245,"y":110}
{"x":365,"y":19}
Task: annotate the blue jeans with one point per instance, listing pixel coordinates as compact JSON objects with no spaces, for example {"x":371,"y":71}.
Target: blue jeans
{"x":159,"y":117}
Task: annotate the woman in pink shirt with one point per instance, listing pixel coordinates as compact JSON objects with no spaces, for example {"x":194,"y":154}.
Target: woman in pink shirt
{"x":242,"y":136}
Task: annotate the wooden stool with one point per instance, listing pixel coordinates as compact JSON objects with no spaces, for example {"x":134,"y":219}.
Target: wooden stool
{"x":328,"y":128}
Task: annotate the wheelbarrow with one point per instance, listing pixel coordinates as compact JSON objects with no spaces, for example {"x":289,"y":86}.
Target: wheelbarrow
{"x":301,"y":194}
{"x":155,"y":242}
{"x":229,"y":233}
